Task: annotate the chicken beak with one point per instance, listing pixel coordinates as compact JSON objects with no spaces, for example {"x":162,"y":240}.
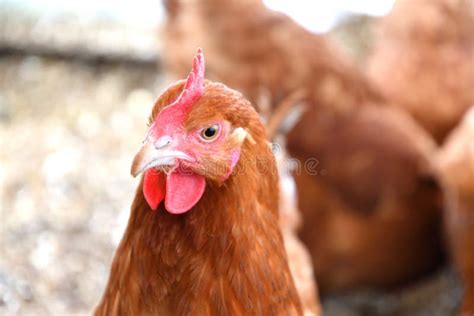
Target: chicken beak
{"x":150,"y":157}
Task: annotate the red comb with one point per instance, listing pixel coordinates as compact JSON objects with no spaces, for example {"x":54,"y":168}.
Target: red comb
{"x":175,"y":113}
{"x":194,"y":86}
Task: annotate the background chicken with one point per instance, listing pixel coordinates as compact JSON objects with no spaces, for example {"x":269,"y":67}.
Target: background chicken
{"x":423,"y":61}
{"x":371,"y":201}
{"x":261,"y":53}
{"x":214,"y":246}
{"x":456,"y":163}
{"x":366,"y":188}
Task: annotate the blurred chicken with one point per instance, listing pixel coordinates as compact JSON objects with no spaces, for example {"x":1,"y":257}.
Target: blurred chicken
{"x":456,"y":162}
{"x":424,"y":61}
{"x":203,"y":236}
{"x":260,"y":52}
{"x":370,"y":200}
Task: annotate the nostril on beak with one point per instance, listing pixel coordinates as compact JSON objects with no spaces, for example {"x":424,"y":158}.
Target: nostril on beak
{"x":162,"y":142}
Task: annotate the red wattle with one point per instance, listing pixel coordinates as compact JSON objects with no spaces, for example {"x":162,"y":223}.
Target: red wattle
{"x":154,"y":188}
{"x":183,"y":191}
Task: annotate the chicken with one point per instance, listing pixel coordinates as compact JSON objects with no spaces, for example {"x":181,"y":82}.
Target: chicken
{"x":367,"y":191}
{"x":213,"y":244}
{"x":423,"y":61}
{"x":456,"y":163}
{"x":257,"y":51}
{"x":371,"y":199}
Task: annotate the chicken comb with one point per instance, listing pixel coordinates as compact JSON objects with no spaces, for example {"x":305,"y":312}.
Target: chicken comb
{"x":194,"y":86}
{"x":174,"y":114}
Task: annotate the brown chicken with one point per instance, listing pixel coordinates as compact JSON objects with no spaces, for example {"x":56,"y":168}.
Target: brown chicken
{"x":423,"y":61}
{"x":203,"y":236}
{"x":371,"y":199}
{"x":366,"y":188}
{"x":260,"y":52}
{"x":456,"y":162}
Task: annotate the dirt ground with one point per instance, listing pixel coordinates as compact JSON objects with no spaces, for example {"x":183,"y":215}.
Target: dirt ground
{"x":68,"y":132}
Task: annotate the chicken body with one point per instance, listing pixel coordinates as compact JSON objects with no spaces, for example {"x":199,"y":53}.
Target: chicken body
{"x":225,"y":256}
{"x":371,"y":199}
{"x":423,"y":61}
{"x":368,"y":195}
{"x":456,"y":162}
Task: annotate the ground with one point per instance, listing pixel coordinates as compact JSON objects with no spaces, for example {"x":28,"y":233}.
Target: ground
{"x":69,"y":131}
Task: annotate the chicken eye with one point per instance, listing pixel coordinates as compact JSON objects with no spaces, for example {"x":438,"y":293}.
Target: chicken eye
{"x":210,"y":132}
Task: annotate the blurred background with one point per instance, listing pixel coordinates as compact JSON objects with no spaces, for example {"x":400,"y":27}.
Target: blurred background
{"x":77,"y":82}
